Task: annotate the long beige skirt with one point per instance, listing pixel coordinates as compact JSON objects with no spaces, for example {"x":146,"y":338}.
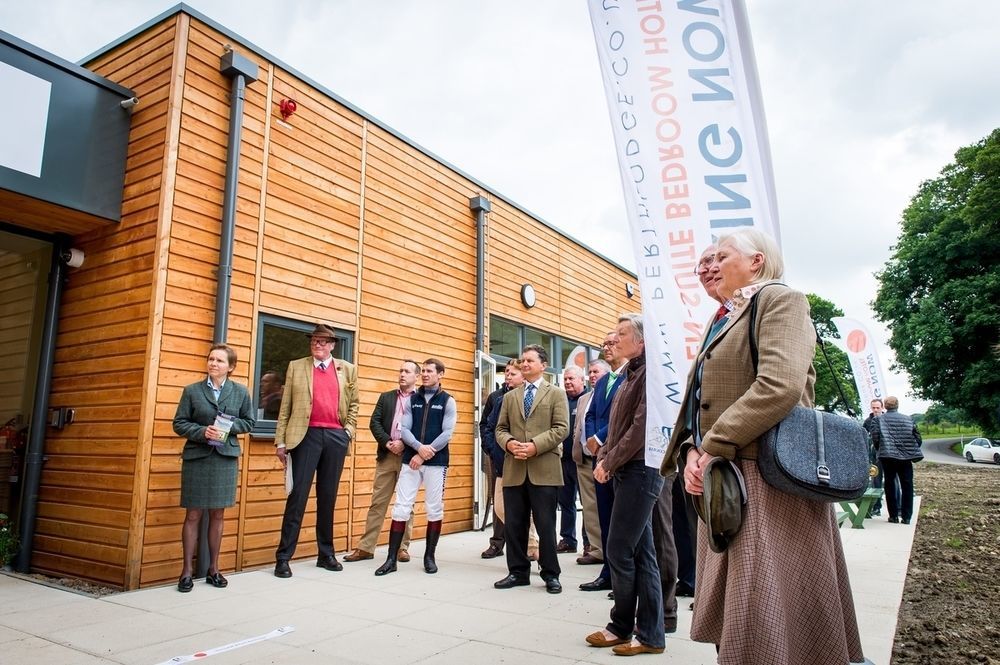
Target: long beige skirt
{"x":780,"y":594}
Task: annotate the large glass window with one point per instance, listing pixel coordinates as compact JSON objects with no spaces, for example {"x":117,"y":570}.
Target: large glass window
{"x":505,"y":338}
{"x":279,"y":341}
{"x":544,"y":340}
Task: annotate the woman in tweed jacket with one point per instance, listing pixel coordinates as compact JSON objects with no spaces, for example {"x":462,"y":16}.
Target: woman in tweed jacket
{"x":210,"y":457}
{"x":780,"y":594}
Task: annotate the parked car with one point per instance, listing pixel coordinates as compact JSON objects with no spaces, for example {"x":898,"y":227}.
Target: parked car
{"x":982,"y":450}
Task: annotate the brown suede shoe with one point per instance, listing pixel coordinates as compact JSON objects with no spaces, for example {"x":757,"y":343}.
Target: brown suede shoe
{"x":588,"y":559}
{"x":359,"y":555}
{"x":599,"y":640}
{"x":634,"y":648}
{"x":403,"y":556}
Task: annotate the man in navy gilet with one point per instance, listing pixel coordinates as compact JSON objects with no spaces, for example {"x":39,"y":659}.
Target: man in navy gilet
{"x":427,"y":426}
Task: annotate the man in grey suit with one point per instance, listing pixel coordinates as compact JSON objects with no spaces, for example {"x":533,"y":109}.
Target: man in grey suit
{"x":534,"y":420}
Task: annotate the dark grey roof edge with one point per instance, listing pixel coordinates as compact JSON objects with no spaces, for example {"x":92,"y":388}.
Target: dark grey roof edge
{"x":65,"y":65}
{"x":187,"y":9}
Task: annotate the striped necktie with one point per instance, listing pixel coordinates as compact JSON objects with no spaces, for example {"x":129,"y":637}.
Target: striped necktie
{"x":529,"y":398}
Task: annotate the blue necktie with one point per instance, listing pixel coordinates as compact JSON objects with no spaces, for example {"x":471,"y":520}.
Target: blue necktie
{"x":322,"y":367}
{"x":529,"y":398}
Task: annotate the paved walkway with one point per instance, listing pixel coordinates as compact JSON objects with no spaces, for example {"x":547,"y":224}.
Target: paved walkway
{"x":407,"y":617}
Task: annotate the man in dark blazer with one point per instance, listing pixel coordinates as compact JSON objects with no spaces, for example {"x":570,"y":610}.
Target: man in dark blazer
{"x":385,"y":426}
{"x":595,"y":430}
{"x":317,"y":420}
{"x":534,"y":420}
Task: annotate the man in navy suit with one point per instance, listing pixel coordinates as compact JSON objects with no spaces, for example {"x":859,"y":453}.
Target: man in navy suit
{"x":596,"y":432}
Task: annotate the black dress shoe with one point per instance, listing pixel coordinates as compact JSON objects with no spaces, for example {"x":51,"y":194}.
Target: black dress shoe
{"x":684,"y":590}
{"x":511,"y":581}
{"x":611,"y":596}
{"x":217,"y":580}
{"x":185,"y":584}
{"x":281,"y":569}
{"x":552,"y":585}
{"x":600,"y":584}
{"x":330,"y":563}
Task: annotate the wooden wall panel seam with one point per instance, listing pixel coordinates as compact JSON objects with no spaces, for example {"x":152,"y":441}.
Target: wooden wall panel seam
{"x":133,"y":559}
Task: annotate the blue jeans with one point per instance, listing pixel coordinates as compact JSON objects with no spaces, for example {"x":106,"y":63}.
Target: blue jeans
{"x":635,"y":575}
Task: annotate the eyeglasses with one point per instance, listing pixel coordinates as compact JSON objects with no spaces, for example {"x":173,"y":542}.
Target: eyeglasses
{"x":704,"y":264}
{"x":321,"y":341}
{"x":608,"y":345}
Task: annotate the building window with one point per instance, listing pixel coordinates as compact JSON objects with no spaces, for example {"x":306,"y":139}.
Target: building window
{"x":279,"y":341}
{"x":507,"y":339}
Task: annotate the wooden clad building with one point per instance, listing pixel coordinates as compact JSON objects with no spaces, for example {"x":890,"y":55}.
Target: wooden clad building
{"x":337,"y":219}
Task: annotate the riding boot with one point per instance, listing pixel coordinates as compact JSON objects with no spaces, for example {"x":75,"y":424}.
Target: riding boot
{"x":395,"y":540}
{"x":433,"y":533}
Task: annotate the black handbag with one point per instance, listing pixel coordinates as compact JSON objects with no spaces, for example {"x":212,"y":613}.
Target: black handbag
{"x":813,"y":454}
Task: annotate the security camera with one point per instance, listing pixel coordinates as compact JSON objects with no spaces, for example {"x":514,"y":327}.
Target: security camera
{"x":72,"y":257}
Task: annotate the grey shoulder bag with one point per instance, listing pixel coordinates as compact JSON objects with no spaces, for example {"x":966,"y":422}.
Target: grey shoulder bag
{"x":813,"y":454}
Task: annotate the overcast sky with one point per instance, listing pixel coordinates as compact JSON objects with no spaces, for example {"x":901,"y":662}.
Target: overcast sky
{"x":864,"y":100}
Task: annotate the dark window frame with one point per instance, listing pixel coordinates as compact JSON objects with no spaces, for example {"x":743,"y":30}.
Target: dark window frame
{"x":344,"y":350}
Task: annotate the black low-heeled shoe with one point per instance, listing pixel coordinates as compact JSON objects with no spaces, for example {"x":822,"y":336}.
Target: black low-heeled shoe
{"x":217,"y":580}
{"x":185,"y":584}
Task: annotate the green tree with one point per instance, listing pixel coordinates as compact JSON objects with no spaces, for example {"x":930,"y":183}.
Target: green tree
{"x":939,"y":293}
{"x":827,"y":395}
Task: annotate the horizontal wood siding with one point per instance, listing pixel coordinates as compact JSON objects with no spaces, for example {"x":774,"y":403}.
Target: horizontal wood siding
{"x":326,"y":202}
{"x":579,"y":294}
{"x":191,"y":281}
{"x":86,"y":490}
{"x":418,"y":300}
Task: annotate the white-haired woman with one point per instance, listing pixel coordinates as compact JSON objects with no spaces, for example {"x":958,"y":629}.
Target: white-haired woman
{"x":779,"y":594}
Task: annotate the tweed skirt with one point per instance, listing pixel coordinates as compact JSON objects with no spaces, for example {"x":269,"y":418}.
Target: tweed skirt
{"x":209,"y":482}
{"x":780,"y":594}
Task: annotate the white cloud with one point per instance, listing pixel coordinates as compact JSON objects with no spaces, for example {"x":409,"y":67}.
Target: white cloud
{"x":864,"y":100}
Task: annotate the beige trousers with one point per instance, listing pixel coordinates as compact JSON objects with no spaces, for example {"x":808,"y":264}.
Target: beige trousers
{"x":383,"y":489}
{"x":588,"y":499}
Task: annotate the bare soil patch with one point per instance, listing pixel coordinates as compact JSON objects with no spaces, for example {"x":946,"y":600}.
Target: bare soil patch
{"x":951,"y":601}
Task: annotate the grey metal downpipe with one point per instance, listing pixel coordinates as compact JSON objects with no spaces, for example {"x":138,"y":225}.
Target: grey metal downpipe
{"x":34,"y":453}
{"x":480,"y":205}
{"x":243,"y":72}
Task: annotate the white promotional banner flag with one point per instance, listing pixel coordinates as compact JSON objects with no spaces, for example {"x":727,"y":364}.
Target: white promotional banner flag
{"x":861,"y":351}
{"x":682,"y":91}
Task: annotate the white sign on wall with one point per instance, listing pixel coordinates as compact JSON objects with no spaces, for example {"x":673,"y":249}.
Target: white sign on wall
{"x":23,"y":119}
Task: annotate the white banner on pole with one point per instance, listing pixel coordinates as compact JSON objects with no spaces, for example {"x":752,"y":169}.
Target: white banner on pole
{"x":684,"y":100}
{"x":860,"y":347}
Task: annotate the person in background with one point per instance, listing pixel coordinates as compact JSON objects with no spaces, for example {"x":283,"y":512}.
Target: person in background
{"x":871,"y":426}
{"x":386,"y":426}
{"x":593,"y":555}
{"x":574,"y":386}
{"x":779,"y":594}
{"x":635,"y":575}
{"x":898,"y":448}
{"x":210,"y":458}
{"x":271,"y":391}
{"x":595,"y":433}
{"x":488,"y":442}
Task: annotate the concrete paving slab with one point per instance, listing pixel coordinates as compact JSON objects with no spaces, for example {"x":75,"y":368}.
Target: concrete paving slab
{"x":352,"y":617}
